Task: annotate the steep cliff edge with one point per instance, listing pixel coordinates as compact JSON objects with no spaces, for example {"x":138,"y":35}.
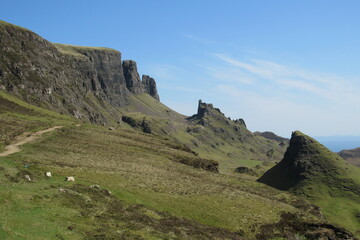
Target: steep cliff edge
{"x":87,"y":82}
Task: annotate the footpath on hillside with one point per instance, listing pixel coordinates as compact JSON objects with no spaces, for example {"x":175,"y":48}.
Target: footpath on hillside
{"x":23,"y":139}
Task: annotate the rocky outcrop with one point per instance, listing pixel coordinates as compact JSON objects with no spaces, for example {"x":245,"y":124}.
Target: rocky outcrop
{"x":87,"y":82}
{"x":132,"y":78}
{"x":133,"y":83}
{"x":206,"y":109}
{"x":149,"y":85}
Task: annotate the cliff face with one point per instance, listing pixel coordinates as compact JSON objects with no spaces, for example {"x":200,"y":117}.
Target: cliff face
{"x":83,"y":81}
{"x":149,"y":85}
{"x":133,"y":83}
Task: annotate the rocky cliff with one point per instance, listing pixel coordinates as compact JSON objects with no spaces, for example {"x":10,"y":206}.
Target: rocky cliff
{"x":149,"y":85}
{"x":89,"y":83}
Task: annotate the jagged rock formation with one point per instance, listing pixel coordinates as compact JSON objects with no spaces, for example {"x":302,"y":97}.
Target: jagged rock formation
{"x":89,"y":83}
{"x":150,"y":86}
{"x":352,"y":156}
{"x":133,"y":83}
{"x":228,"y":137}
{"x":132,"y":77}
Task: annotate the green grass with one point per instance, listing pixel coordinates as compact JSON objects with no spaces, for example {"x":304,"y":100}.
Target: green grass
{"x":154,"y":196}
{"x":17,"y":117}
{"x":225,"y":148}
{"x":309,"y":169}
{"x":76,"y":50}
{"x":138,"y":171}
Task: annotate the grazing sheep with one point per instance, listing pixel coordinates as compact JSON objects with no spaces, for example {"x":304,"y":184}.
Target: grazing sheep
{"x":70,"y":179}
{"x":95,"y":186}
{"x":28,"y":177}
{"x":48,"y":174}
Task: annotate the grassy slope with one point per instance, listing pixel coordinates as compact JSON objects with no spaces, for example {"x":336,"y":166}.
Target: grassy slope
{"x":139,"y":169}
{"x":337,"y":191}
{"x":74,"y":50}
{"x":17,"y":117}
{"x":329,"y":182}
{"x":229,"y":153}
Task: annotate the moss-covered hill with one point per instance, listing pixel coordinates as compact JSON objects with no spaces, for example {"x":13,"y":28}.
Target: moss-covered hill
{"x":311,"y":170}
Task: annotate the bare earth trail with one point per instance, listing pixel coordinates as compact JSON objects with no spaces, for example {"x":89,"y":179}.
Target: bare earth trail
{"x":23,"y":139}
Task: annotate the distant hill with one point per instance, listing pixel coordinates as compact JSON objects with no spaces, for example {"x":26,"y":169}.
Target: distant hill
{"x":309,"y":169}
{"x":352,"y":156}
{"x":272,"y":136}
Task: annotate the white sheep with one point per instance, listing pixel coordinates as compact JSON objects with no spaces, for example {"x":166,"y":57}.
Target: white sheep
{"x":48,"y":174}
{"x":70,"y":179}
{"x":27,"y":177}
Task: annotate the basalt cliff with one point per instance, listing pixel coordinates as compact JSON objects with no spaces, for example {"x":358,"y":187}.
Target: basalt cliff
{"x":87,"y":82}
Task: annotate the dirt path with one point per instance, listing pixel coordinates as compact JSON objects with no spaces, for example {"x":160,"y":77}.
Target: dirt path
{"x":24,"y":138}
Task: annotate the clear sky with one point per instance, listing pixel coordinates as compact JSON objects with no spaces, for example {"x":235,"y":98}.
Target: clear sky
{"x":281,"y":65}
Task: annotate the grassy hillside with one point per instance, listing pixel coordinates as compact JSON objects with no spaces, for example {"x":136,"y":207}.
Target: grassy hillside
{"x":211,"y":136}
{"x":309,"y":169}
{"x":152,"y":194}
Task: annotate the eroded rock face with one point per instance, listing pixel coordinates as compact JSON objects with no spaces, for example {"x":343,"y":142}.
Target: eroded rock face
{"x":106,"y":76}
{"x":83,"y":81}
{"x":149,"y":85}
{"x":132,"y":77}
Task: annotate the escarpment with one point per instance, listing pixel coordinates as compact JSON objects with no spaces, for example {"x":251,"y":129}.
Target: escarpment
{"x":87,"y":82}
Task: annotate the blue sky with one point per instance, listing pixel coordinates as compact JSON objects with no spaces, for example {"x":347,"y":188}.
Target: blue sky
{"x":281,"y":65}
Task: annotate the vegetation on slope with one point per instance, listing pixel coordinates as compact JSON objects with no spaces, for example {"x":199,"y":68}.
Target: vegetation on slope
{"x":152,"y":196}
{"x":76,"y":50}
{"x":309,"y":169}
{"x":211,"y":135}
